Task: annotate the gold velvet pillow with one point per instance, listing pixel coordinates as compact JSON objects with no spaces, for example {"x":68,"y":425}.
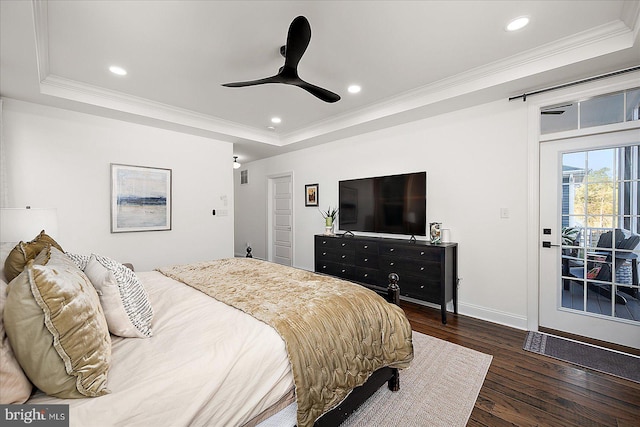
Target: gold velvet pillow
{"x":57,"y":328}
{"x":23,"y":252}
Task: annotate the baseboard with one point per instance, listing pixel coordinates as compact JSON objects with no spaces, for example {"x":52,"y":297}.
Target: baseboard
{"x":482,"y":313}
{"x":495,"y":316}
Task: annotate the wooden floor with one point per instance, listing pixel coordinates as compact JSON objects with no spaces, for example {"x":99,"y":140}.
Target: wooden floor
{"x":526,"y":389}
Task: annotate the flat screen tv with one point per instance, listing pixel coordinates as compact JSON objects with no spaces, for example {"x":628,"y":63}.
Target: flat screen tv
{"x":394,"y":204}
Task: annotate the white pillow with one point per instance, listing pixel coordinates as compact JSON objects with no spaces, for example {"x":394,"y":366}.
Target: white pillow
{"x":123,"y":298}
{"x":80,"y":260}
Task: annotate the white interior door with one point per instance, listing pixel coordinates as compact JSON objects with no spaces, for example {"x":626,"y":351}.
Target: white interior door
{"x":588,"y":284}
{"x":282,"y":220}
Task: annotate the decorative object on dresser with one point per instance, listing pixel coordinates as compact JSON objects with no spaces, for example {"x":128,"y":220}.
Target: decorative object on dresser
{"x":427,"y":272}
{"x":329,"y":220}
{"x":434,"y":232}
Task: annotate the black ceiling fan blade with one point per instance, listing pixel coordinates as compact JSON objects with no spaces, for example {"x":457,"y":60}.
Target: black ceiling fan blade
{"x":273,"y":79}
{"x":321,"y":93}
{"x":298,"y":40}
{"x":553,"y":112}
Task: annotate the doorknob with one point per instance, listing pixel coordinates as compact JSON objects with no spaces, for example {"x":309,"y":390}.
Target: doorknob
{"x":546,"y":244}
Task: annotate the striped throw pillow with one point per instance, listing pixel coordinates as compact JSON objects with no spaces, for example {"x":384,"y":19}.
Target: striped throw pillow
{"x":124,"y":300}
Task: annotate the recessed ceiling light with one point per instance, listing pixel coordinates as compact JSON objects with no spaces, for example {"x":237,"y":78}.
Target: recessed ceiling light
{"x":354,"y":89}
{"x":271,"y":127}
{"x":276,"y":120}
{"x":118,"y":70}
{"x":517,"y":23}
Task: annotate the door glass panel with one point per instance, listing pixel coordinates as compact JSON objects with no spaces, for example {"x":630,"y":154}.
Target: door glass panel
{"x":601,"y":232}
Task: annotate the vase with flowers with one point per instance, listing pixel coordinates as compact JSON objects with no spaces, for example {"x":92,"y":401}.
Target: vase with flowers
{"x":329,"y":216}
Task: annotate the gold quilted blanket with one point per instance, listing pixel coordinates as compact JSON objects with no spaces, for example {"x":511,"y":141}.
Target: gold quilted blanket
{"x":336,"y":332}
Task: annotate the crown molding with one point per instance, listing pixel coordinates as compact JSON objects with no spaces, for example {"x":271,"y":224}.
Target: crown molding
{"x":631,"y":15}
{"x":599,"y":41}
{"x":41,"y":27}
{"x":89,"y":94}
{"x":605,"y":39}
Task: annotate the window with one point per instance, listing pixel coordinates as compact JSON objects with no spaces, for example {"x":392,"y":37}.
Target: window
{"x":601,"y":110}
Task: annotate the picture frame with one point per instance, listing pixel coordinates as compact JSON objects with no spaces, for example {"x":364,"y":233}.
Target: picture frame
{"x":140,"y":198}
{"x":435,"y":236}
{"x":311,"y":195}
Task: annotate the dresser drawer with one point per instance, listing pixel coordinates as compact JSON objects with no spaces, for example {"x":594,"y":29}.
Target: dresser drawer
{"x":367,"y":260}
{"x":335,"y":243}
{"x":420,"y":288}
{"x":334,"y":269}
{"x":368,"y":275}
{"x":367,"y":248}
{"x":394,"y":264}
{"x":335,"y":255}
{"x":325,"y":242}
{"x":416,"y":252}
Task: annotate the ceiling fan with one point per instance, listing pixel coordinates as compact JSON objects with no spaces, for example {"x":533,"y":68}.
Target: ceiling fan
{"x":297,"y":41}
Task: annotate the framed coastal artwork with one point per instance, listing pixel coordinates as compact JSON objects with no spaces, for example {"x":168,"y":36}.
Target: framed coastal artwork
{"x":140,"y":198}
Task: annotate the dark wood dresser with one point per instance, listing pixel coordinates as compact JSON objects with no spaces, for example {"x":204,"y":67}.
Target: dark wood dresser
{"x":428,"y":272}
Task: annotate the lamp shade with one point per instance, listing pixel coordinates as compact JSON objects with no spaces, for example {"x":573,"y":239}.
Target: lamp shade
{"x":23,"y":224}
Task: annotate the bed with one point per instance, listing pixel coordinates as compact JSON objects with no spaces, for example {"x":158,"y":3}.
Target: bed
{"x":233,"y":342}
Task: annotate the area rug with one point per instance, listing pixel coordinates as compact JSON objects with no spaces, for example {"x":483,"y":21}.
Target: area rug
{"x":585,"y":355}
{"x":440,"y":388}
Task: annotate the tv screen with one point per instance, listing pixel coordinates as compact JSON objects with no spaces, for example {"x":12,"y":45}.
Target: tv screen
{"x":395,"y":204}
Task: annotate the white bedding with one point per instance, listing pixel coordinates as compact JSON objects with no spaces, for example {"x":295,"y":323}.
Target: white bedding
{"x":206,"y":364}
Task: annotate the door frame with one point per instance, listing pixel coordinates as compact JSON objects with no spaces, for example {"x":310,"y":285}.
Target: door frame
{"x":534,"y":140}
{"x":269,"y":213}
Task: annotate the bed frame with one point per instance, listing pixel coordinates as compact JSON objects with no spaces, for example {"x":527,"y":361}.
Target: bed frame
{"x":360,"y":394}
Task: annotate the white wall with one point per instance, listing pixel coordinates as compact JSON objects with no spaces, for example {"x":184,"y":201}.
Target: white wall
{"x":476,"y":163}
{"x":61,"y":159}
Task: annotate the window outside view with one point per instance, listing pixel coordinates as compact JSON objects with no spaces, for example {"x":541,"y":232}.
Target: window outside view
{"x":601,"y":232}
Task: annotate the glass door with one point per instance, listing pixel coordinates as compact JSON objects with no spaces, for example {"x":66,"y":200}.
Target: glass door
{"x":590,"y":236}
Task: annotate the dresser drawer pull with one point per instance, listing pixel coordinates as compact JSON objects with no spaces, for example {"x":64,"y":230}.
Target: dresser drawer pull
{"x":324,"y":253}
{"x":422,"y":287}
{"x":324,"y":242}
{"x":343,"y":256}
{"x":324,"y":267}
{"x":391,"y":263}
{"x":391,"y":250}
{"x":343,"y":270}
{"x":366,"y":274}
{"x":422,"y":253}
{"x":366,"y":259}
{"x":343,"y":244}
{"x":366,"y":246}
{"x":421,"y":268}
